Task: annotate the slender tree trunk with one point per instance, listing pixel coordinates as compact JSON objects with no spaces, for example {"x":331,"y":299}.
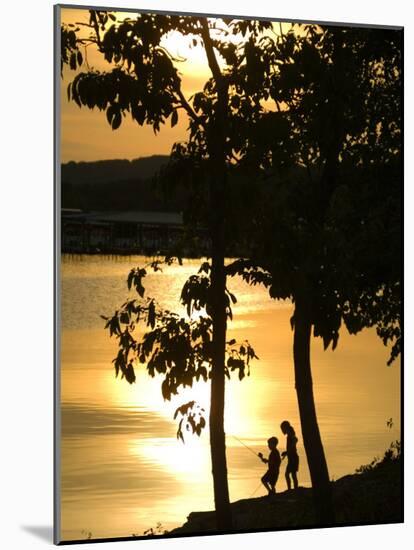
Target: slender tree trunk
{"x":322,"y":489}
{"x":217,"y":435}
{"x":218,"y":314}
{"x":216,"y":146}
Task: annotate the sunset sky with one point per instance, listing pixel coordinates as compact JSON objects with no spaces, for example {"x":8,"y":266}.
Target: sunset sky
{"x":86,"y":134}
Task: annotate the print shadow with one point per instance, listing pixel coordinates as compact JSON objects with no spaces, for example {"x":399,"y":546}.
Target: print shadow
{"x":43,"y":532}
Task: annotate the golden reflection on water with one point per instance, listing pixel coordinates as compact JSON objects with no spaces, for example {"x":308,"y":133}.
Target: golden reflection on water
{"x":187,"y":461}
{"x":123,"y":469}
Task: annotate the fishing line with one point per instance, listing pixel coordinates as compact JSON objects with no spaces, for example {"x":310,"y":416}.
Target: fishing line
{"x":255,"y":491}
{"x":244,"y":445}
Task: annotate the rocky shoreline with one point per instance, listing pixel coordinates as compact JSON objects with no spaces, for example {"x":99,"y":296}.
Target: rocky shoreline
{"x":373,"y":496}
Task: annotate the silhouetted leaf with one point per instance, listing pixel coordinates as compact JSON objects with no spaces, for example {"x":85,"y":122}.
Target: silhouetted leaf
{"x":116,"y":120}
{"x":151,"y":314}
{"x":72,"y":62}
{"x":130,"y":374}
{"x":110,"y":114}
{"x":232,"y":297}
{"x":124,"y":317}
{"x":174,"y":118}
{"x":165,"y":390}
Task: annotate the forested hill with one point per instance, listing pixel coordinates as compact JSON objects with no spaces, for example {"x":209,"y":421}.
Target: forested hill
{"x":114,"y":185}
{"x":130,"y":185}
{"x":107,"y":171}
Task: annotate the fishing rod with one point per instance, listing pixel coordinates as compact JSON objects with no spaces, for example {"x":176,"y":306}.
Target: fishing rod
{"x":249,"y":448}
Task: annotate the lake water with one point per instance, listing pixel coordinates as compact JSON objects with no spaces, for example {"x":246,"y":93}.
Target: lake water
{"x":123,"y":469}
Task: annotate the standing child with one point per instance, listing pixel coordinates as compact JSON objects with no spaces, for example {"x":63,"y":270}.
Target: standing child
{"x":291,"y":453}
{"x":270,"y":478}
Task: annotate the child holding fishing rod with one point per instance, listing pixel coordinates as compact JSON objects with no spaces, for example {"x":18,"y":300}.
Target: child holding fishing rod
{"x":269,"y":479}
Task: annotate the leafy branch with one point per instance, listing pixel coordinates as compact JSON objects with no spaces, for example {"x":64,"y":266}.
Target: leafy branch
{"x":176,"y":347}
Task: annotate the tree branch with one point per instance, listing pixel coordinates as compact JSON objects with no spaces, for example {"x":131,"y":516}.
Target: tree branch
{"x":95,"y":26}
{"x":190,"y":111}
{"x":211,"y":56}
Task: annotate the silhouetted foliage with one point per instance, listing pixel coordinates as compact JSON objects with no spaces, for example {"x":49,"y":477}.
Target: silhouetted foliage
{"x":178,"y":348}
{"x":70,"y":53}
{"x":391,"y":455}
{"x":335,"y":232}
{"x":158,"y":530}
{"x":329,"y":238}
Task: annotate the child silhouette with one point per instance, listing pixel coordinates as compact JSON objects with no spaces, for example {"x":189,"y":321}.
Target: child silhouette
{"x":291,"y":453}
{"x":270,"y":477}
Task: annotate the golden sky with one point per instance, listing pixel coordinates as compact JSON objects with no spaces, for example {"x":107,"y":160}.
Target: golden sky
{"x":86,"y":134}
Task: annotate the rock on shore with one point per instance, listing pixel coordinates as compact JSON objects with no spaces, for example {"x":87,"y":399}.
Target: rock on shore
{"x":370,"y":497}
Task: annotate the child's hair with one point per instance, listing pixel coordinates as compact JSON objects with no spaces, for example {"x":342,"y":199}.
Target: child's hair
{"x":285,"y":426}
{"x":273,"y":440}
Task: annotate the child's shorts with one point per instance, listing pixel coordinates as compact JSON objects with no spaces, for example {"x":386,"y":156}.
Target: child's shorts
{"x":293,"y":464}
{"x":270,"y":477}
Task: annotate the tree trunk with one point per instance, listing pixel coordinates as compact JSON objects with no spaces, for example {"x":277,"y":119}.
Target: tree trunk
{"x":217,"y":435}
{"x":218,"y":315}
{"x":321,"y":485}
{"x":216,"y":138}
